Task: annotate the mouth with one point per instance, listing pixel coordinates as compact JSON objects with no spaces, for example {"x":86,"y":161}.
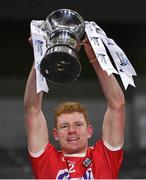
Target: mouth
{"x":73,"y":139}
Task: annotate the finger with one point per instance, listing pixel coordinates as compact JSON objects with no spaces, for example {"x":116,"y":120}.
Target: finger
{"x":30,"y":40}
{"x":85,"y":40}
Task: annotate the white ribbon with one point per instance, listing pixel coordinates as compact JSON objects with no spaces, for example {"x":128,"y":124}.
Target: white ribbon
{"x":98,"y":40}
{"x":99,"y":49}
{"x":39,"y":48}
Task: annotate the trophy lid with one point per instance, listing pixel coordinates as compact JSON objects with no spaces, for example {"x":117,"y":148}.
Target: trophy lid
{"x":65,"y":19}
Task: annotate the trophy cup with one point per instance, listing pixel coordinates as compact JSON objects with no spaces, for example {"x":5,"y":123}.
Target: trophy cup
{"x":65,"y":29}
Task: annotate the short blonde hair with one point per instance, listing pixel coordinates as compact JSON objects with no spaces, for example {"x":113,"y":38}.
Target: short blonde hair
{"x":70,"y":107}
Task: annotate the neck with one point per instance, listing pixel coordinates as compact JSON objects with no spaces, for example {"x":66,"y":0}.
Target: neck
{"x":75,"y":155}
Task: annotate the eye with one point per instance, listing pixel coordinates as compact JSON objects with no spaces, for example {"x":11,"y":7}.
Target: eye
{"x":78,"y":124}
{"x":64,"y":126}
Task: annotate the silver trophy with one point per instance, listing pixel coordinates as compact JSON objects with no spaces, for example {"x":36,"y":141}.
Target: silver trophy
{"x":65,"y":29}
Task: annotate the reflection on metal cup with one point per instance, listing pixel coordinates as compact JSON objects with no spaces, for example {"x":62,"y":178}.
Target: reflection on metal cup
{"x":65,"y":29}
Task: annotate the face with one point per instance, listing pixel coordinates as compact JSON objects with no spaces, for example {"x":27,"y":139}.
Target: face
{"x":72,"y":133}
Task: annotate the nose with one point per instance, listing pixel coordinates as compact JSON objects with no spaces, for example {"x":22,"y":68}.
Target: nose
{"x":72,"y":129}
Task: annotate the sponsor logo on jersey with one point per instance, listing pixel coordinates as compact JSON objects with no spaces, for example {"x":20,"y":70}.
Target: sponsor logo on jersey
{"x":64,"y":175}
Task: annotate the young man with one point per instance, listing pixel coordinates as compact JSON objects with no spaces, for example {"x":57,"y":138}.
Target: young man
{"x":72,"y":130}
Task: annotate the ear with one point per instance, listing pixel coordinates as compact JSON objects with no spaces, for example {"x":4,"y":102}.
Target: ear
{"x":90,"y":131}
{"x":55,"y":134}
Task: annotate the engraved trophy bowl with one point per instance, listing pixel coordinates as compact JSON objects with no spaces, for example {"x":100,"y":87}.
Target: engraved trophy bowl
{"x":65,"y":29}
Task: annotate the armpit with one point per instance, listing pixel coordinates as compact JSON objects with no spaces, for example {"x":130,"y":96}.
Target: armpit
{"x":108,"y":146}
{"x":39,"y":153}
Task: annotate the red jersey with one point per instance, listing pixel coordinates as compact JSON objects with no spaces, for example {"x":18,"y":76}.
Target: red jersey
{"x":99,"y":162}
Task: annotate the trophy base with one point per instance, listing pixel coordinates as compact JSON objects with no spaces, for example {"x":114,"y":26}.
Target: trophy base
{"x":60,"y":67}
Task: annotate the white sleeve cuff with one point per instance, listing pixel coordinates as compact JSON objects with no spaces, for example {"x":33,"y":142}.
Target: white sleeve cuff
{"x":39,"y":153}
{"x":108,"y":146}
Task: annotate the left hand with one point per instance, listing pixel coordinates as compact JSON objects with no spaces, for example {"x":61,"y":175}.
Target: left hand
{"x":88,"y":49}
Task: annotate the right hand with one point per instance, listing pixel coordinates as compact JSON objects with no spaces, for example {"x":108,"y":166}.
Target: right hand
{"x":30,"y":40}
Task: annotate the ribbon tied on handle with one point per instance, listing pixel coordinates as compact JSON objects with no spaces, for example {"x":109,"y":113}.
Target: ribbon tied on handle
{"x":99,"y":40}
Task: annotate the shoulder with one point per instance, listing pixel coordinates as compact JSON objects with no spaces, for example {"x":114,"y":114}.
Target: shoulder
{"x":102,"y":152}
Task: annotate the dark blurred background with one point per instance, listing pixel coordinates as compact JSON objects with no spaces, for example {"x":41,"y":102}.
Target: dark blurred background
{"x":123,"y":21}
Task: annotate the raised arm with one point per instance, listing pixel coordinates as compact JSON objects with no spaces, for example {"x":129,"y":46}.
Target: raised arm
{"x":114,"y":119}
{"x":36,"y":125}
